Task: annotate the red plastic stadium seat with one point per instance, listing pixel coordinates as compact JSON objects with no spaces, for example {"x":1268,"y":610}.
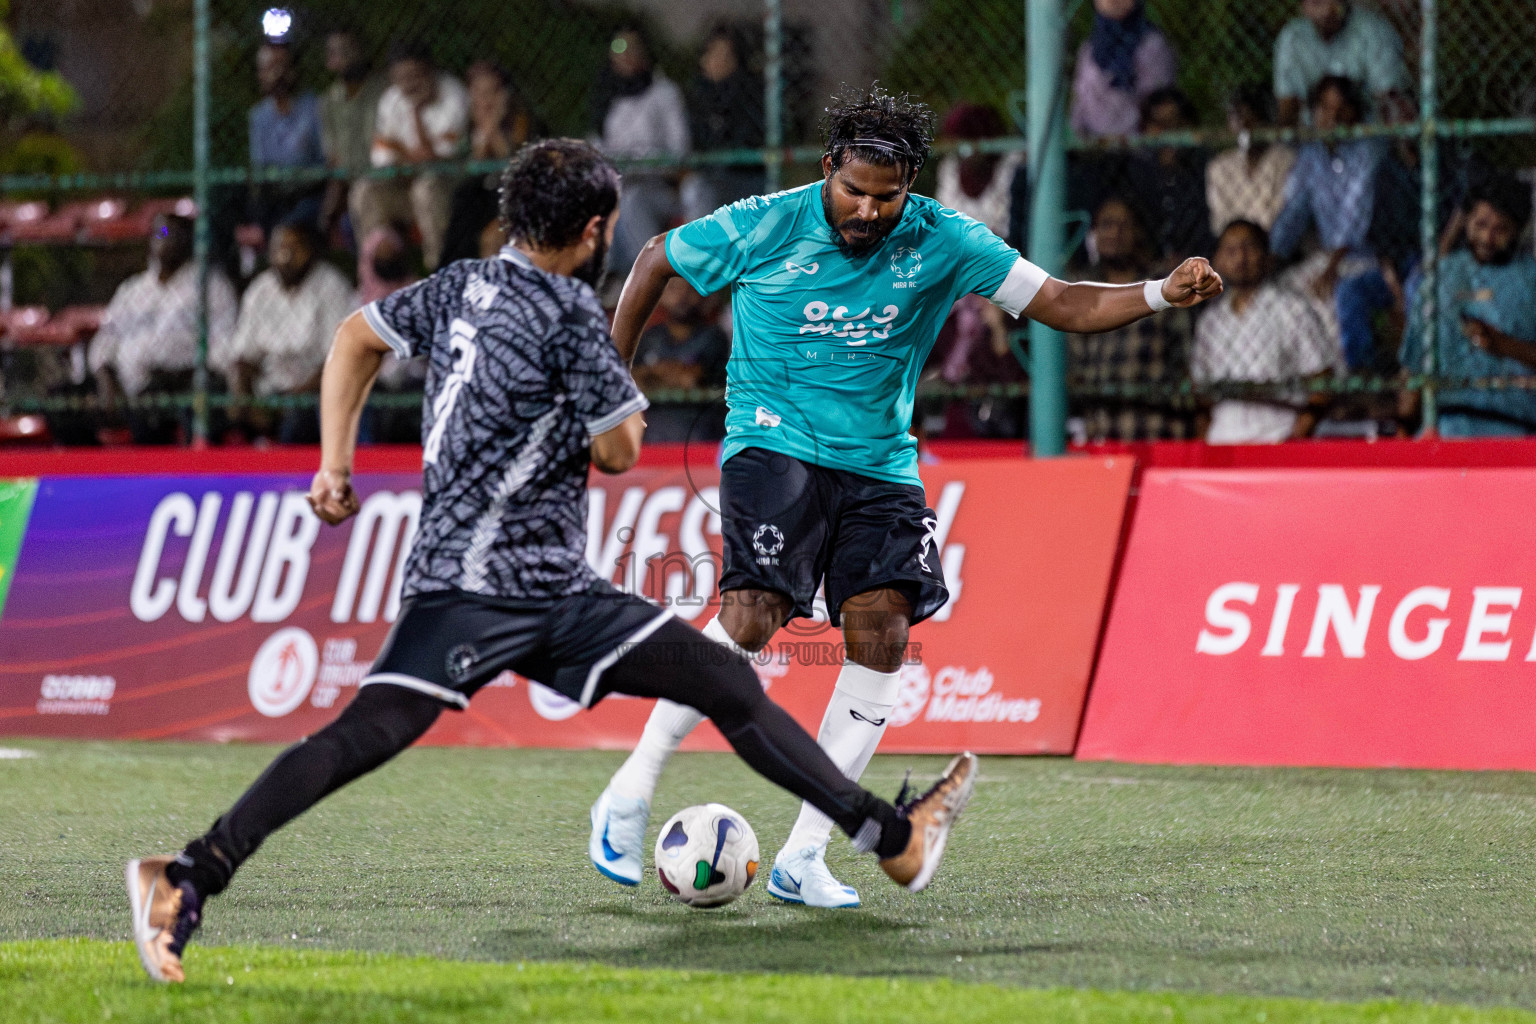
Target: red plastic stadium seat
{"x":85,"y":321}
{"x":13,"y":214}
{"x":102,"y":218}
{"x":24,"y":325}
{"x":135,"y":225}
{"x":63,"y":225}
{"x":19,"y":430}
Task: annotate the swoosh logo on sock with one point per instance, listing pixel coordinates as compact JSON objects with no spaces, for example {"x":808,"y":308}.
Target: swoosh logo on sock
{"x":877,"y":722}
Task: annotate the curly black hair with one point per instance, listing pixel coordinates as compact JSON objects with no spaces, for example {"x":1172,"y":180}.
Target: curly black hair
{"x":552,"y":188}
{"x":878,"y":128}
{"x":1508,"y":195}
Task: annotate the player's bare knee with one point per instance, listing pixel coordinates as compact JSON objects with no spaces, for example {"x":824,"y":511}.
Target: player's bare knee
{"x":875,"y":628}
{"x":751,"y":617}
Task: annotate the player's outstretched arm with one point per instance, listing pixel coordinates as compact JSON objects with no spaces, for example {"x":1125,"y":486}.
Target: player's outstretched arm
{"x":1087,"y":308}
{"x":356,"y":354}
{"x":642,"y":290}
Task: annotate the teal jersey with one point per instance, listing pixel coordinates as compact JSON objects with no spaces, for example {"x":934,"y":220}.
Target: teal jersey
{"x":826,"y":348}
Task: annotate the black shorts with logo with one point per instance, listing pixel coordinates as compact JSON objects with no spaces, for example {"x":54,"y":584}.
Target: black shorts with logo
{"x":789,"y":526}
{"x":448,"y":644}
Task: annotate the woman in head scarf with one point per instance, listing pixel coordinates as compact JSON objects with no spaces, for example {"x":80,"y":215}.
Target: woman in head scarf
{"x":1124,"y":60}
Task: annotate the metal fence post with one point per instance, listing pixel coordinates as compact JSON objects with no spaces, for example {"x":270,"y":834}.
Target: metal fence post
{"x":773,"y":90}
{"x":1047,"y":229}
{"x":1429,"y":189}
{"x":200,"y":243}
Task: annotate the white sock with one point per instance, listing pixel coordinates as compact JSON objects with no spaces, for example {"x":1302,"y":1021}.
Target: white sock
{"x":850,"y":731}
{"x":667,"y":727}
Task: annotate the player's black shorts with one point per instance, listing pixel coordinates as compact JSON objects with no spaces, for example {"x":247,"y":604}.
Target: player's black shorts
{"x":789,"y":525}
{"x":448,"y":644}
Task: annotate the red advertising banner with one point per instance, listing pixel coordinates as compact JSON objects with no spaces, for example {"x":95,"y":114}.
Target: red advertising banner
{"x":1323,"y":617}
{"x":217,"y":607}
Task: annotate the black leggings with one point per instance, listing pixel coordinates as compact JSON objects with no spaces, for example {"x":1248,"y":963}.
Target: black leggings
{"x":675,"y":663}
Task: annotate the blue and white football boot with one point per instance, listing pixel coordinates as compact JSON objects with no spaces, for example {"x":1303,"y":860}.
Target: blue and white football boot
{"x":617,"y":845}
{"x":802,"y":877}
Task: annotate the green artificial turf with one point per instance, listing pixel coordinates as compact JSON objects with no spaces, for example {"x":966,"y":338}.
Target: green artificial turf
{"x":1336,"y":885}
{"x":80,"y":980}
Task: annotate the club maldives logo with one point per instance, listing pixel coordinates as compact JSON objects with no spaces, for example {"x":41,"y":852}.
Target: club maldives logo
{"x":283,"y":671}
{"x":957,"y":694}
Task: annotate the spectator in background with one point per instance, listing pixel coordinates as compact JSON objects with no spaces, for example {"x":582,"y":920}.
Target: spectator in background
{"x":284,"y":130}
{"x":385,"y":266}
{"x":1123,"y":61}
{"x":1169,"y":183}
{"x":979,"y":185}
{"x":348,"y":112}
{"x":423,"y":116}
{"x":1248,"y":183}
{"x":973,"y":344}
{"x":1340,"y":39}
{"x":1152,"y":353}
{"x":499,"y":124}
{"x":725,"y":111}
{"x":1333,"y":189}
{"x":686,"y":350}
{"x":638,"y":112}
{"x":1258,"y":333}
{"x":1485,"y":318}
{"x":148,"y":336}
{"x":287,"y":319}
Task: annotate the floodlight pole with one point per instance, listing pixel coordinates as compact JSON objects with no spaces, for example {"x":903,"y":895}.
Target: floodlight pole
{"x":200,"y":237}
{"x":1047,"y":228}
{"x":773,"y":91}
{"x":1429,"y":191}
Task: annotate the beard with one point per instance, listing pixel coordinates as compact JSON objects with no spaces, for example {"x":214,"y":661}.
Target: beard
{"x":867,"y":236}
{"x":595,"y":270}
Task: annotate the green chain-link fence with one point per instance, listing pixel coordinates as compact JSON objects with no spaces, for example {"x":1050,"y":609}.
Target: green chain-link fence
{"x":1166,"y":142}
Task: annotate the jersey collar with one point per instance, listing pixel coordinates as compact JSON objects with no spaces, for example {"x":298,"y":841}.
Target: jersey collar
{"x":513,"y":255}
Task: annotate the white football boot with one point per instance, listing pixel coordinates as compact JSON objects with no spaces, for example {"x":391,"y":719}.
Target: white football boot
{"x":617,"y":844}
{"x":802,"y":877}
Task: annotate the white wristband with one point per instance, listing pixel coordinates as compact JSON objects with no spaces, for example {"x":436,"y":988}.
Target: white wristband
{"x":1152,"y":291}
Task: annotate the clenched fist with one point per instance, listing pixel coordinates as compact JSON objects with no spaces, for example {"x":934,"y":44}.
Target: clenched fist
{"x":332,"y":497}
{"x":1191,"y":283}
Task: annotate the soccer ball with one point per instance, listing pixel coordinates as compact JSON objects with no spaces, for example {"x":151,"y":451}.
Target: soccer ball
{"x":706,"y":855}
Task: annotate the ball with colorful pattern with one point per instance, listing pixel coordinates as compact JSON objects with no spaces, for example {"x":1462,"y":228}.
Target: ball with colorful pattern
{"x":706,"y":855}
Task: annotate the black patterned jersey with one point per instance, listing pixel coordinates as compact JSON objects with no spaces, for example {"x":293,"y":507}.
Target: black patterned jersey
{"x":522,"y":374}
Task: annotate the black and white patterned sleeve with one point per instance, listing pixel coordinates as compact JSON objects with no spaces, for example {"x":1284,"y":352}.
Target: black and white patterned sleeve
{"x":594,"y":378}
{"x":407,"y":319}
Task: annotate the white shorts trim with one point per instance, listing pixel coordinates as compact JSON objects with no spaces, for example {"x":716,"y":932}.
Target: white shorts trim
{"x":604,"y":663}
{"x":1020,"y":287}
{"x":442,"y":693}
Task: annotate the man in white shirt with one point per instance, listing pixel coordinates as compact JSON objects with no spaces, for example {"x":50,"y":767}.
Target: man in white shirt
{"x":287,"y":319}
{"x":639,"y":112}
{"x":1258,"y":333}
{"x":148,"y":336}
{"x":423,"y":117}
{"x":1248,"y":183}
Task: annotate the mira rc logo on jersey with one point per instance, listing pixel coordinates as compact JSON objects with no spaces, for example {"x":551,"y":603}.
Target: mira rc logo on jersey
{"x":906,"y":262}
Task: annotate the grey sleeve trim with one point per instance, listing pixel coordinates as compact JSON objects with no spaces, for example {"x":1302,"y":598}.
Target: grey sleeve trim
{"x":606,"y":423}
{"x":392,"y":337}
